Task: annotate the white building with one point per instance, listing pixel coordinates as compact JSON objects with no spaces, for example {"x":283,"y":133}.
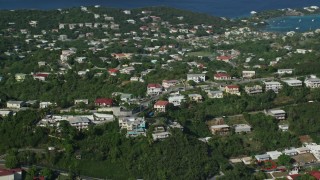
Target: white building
{"x":284,"y":71}
{"x":195,"y":97}
{"x":248,"y":74}
{"x":154,"y":89}
{"x":242,"y":128}
{"x":79,"y":122}
{"x":293,"y":82}
{"x":196,"y":77}
{"x":314,"y":149}
{"x":274,"y":154}
{"x":78,"y":101}
{"x":273,"y":85}
{"x":176,"y":100}
{"x":283,"y":127}
{"x":312,"y":82}
{"x":215,"y":94}
{"x":160,"y":135}
{"x":15,"y":104}
{"x":43,"y":105}
{"x":168,"y":83}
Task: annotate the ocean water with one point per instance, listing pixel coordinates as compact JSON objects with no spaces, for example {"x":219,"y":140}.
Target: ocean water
{"x":224,"y":8}
{"x":294,"y":23}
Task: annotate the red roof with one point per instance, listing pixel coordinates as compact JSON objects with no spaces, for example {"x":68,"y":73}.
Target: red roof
{"x":161,"y":103}
{"x":106,"y":101}
{"x":221,"y":75}
{"x":170,"y":81}
{"x":315,"y":174}
{"x":154,"y":86}
{"x":113,"y":70}
{"x":41,"y":75}
{"x":232,"y":87}
{"x":6,"y":172}
{"x":293,"y":176}
{"x":224,"y":58}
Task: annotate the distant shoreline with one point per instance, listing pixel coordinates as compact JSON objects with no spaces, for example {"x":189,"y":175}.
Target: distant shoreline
{"x":220,"y":8}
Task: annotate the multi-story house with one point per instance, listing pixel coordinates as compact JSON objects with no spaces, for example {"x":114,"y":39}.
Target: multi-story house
{"x":273,"y":85}
{"x":161,"y":106}
{"x":222,"y":76}
{"x":135,"y":126}
{"x":176,"y":100}
{"x":248,"y":74}
{"x":256,"y":89}
{"x":154,"y":89}
{"x":168,"y":83}
{"x":312,"y":82}
{"x":196,"y":77}
{"x":233,"y":89}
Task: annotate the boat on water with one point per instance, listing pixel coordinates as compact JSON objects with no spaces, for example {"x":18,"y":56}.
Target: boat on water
{"x":312,"y":20}
{"x":253,"y":12}
{"x":297,"y":28}
{"x":299,"y":20}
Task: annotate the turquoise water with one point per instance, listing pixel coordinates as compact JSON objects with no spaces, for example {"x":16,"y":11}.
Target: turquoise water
{"x":294,"y":23}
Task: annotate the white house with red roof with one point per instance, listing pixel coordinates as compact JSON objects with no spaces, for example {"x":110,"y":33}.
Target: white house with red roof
{"x":103,"y":102}
{"x":222,"y":76}
{"x":113,"y":72}
{"x":168,"y":83}
{"x":224,"y":58}
{"x":161,"y":106}
{"x":40,"y":76}
{"x":10,"y":174}
{"x":233,"y":89}
{"x":154,"y":89}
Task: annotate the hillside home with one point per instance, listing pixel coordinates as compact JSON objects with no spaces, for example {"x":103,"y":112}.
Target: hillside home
{"x":20,"y":77}
{"x":15,"y":104}
{"x":79,"y":123}
{"x":290,"y":152}
{"x":242,"y":128}
{"x":104,"y":102}
{"x":196,"y":77}
{"x":293,"y":82}
{"x":41,"y":76}
{"x":78,"y":101}
{"x":220,"y":129}
{"x":256,"y":89}
{"x":262,"y":157}
{"x":10,"y":174}
{"x":274,"y":154}
{"x":195,"y":97}
{"x":233,"y":89}
{"x":283,"y":127}
{"x":161,"y":106}
{"x":176,"y":100}
{"x":135,"y":126}
{"x":154,"y":89}
{"x":248,"y":74}
{"x":284,"y":71}
{"x":43,"y":105}
{"x":215,"y":94}
{"x":113,"y":72}
{"x":168,"y":83}
{"x":279,"y":114}
{"x":312,"y":82}
{"x":273,"y":85}
{"x":222,"y":76}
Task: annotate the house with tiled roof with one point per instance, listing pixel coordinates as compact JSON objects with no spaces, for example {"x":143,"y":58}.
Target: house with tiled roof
{"x":161,"y":106}
{"x":154,"y":89}
{"x":102,"y":102}
{"x":222,"y":76}
{"x":232,"y":89}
